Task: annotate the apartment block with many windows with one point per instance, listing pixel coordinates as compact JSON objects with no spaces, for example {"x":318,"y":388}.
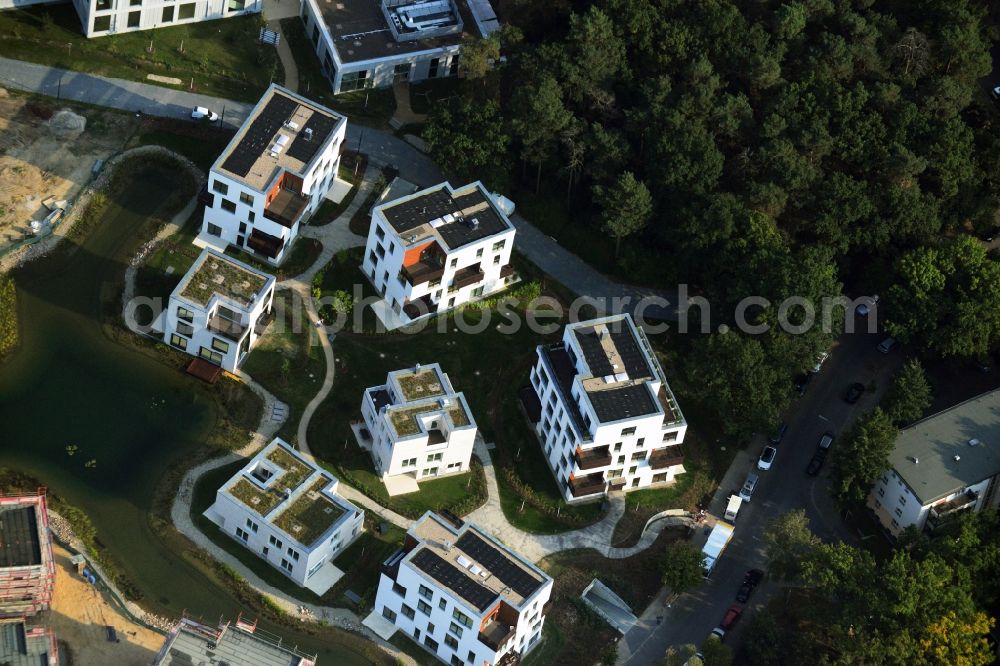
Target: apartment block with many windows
{"x":940,"y":467}
{"x":463,"y":596}
{"x":437,"y":249}
{"x":375,"y":43}
{"x":286,"y":509}
{"x":219,"y":310}
{"x":418,"y":424}
{"x":603,"y":411}
{"x":273,"y":175}
{"x":108,"y":17}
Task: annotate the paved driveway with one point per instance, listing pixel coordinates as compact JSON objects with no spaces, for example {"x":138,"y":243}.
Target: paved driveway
{"x":784,"y":488}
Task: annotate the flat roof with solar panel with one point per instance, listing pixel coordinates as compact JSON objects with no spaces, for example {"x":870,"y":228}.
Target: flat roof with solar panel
{"x":452,"y":217}
{"x":472,"y":564}
{"x":616,"y":367}
{"x":283,"y":132}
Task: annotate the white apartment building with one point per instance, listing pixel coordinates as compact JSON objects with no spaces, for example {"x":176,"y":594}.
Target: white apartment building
{"x":273,"y":175}
{"x":941,"y":466}
{"x":375,"y":43}
{"x":418,"y":424}
{"x":438,"y":248}
{"x":462,"y":595}
{"x":108,"y":17}
{"x":286,"y":509}
{"x":606,"y":417}
{"x":219,"y":310}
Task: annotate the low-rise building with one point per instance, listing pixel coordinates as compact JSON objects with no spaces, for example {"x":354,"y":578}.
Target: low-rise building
{"x":462,"y":595}
{"x":23,"y":645}
{"x":418,"y":424}
{"x":941,"y":466}
{"x":109,"y":17}
{"x":273,"y":175}
{"x":375,"y":43}
{"x":219,"y":310}
{"x":607,"y":417}
{"x":286,"y":509}
{"x":27,"y":569}
{"x":238,"y":643}
{"x":437,"y":249}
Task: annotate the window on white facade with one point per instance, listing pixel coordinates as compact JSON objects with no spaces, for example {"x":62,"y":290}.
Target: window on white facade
{"x":407,"y":611}
{"x":275,"y":542}
{"x":353,"y":81}
{"x":453,"y":644}
{"x":220,"y":187}
{"x":899,"y":512}
{"x":670,"y":436}
{"x":426,"y":592}
{"x":461,"y":618}
{"x":499,"y":245}
{"x":434,"y":457}
{"x":213,"y":229}
{"x":242,"y":534}
{"x":185,"y":329}
{"x":443,"y":603}
{"x":286,"y":565}
{"x":246,"y":198}
{"x":178,"y":341}
{"x":424,"y":607}
{"x":228,"y":206}
{"x":881,"y":492}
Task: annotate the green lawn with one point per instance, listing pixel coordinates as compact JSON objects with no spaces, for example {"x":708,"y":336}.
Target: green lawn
{"x":419,"y":655}
{"x":367,"y":107}
{"x":200,"y":143}
{"x":289,"y":360}
{"x":222,"y":57}
{"x":362,"y":564}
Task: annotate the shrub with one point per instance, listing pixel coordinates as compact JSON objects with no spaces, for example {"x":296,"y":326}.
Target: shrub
{"x":8,"y":315}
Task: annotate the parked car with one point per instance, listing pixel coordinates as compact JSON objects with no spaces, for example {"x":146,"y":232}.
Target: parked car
{"x":887,"y":345}
{"x":746,"y":492}
{"x":854,"y":392}
{"x":863,"y":309}
{"x":995,"y":94}
{"x":802,"y":382}
{"x":816,"y":463}
{"x":766,"y":458}
{"x":990,"y":234}
{"x":779,"y":434}
{"x":820,"y":360}
{"x":729,"y":620}
{"x":750,"y":581}
{"x":825,"y":441}
{"x":201,"y":112}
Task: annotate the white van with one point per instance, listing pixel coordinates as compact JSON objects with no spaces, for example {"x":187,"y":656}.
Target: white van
{"x":735,"y":502}
{"x":748,"y":486}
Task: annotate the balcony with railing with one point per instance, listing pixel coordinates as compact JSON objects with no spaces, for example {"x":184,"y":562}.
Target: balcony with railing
{"x":591,"y":484}
{"x":665,"y":457}
{"x":496,"y":635}
{"x":425,"y":270}
{"x":946,"y":511}
{"x":227,"y":328}
{"x":286,"y":208}
{"x":506,"y":271}
{"x":419,"y":307}
{"x":594,"y":458}
{"x":467,"y":276}
{"x":263,"y":321}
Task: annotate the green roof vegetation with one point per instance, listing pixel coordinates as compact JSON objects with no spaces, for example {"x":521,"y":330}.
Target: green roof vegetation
{"x":310,"y":515}
{"x":262,"y":501}
{"x":222,"y":276}
{"x":422,"y":384}
{"x":404,"y":421}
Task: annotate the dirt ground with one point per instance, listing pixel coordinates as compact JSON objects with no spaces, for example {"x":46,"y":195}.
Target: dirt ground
{"x":79,"y":616}
{"x":44,"y":152}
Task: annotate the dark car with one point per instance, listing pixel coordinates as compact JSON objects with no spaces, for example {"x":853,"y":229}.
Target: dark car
{"x":779,"y":434}
{"x":750,"y":581}
{"x":854,"y":392}
{"x":802,"y":382}
{"x":990,"y":234}
{"x":816,"y":463}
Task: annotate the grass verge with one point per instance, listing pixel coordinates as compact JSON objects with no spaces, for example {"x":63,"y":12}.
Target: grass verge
{"x":222,"y":58}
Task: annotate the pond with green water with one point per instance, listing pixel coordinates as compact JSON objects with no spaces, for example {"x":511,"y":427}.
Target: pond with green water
{"x":100,"y":423}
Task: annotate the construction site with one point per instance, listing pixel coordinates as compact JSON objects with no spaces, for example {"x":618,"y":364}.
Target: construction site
{"x":48,"y":152}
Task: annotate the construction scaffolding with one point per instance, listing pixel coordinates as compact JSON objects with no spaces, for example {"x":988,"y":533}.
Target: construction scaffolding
{"x":27,"y":568}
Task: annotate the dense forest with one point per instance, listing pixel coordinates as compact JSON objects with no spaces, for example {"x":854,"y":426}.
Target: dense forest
{"x":768,"y":148}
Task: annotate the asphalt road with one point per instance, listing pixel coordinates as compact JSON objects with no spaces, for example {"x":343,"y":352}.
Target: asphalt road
{"x":783,"y":488}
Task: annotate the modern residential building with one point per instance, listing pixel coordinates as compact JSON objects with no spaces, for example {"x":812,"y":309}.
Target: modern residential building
{"x":941,"y":466}
{"x":27,"y":569}
{"x":273,"y":175}
{"x":418,"y":425}
{"x":21,"y":645}
{"x":462,"y":595}
{"x":219,"y":310}
{"x":606,"y":417}
{"x":286,"y":509}
{"x":108,"y":17}
{"x":374,"y":43}
{"x":438,"y":248}
{"x":238,"y":643}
